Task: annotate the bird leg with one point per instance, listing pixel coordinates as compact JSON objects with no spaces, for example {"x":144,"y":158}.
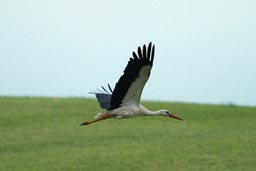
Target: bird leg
{"x":105,"y":116}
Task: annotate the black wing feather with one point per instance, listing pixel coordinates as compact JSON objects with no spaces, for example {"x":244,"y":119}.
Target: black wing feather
{"x":104,"y":98}
{"x":149,"y":52}
{"x":105,"y":90}
{"x":139,"y":53}
{"x":131,"y":72}
{"x":135,"y":56}
{"x":109,"y":87}
{"x":113,"y":99}
{"x":144,"y":52}
{"x":153,"y":54}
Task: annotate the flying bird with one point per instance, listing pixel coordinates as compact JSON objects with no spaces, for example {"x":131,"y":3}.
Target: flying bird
{"x":124,"y":100}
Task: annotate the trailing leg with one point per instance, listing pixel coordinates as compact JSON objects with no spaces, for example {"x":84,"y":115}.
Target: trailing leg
{"x":105,"y":116}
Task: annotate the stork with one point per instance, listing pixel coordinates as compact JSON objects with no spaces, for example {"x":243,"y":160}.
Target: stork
{"x":124,"y":100}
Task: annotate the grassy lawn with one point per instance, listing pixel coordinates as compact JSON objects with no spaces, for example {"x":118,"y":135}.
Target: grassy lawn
{"x":43,"y":134}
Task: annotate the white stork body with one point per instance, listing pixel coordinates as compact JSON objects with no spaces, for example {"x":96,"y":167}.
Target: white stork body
{"x":130,"y":111}
{"x":124,"y":101}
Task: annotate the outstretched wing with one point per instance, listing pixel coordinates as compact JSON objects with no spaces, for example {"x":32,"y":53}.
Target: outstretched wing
{"x":129,"y":87}
{"x":104,"y":97}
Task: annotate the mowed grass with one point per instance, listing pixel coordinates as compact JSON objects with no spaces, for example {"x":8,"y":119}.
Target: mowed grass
{"x":43,"y":134}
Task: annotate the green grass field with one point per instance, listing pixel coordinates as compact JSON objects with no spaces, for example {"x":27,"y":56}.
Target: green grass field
{"x":43,"y":134}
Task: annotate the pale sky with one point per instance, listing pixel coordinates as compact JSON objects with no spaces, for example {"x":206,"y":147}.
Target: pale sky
{"x":205,"y":50}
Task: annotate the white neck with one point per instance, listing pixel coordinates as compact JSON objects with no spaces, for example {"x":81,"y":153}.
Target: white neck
{"x":144,"y":111}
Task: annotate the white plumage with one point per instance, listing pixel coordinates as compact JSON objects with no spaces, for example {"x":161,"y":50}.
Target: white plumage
{"x":124,"y":101}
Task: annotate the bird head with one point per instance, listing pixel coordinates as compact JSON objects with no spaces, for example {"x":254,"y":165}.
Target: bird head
{"x":169,"y":114}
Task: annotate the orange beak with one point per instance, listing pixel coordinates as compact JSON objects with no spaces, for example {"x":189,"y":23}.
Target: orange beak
{"x":175,"y":117}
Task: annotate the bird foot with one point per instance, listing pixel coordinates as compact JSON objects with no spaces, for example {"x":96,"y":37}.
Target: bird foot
{"x":84,"y":123}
